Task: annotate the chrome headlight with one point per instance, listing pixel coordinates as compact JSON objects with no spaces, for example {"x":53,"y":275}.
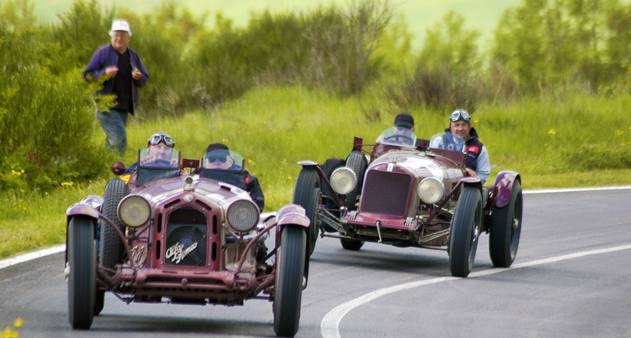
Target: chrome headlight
{"x":242,"y":215}
{"x":134,"y":211}
{"x":343,"y":180}
{"x":430,"y":190}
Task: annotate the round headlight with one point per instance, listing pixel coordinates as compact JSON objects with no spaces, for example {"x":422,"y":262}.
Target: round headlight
{"x":134,"y":211}
{"x":343,"y":180}
{"x":430,"y":190}
{"x":242,"y":215}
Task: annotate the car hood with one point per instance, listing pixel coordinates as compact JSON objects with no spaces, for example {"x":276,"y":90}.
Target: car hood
{"x":210,"y":191}
{"x":418,"y":164}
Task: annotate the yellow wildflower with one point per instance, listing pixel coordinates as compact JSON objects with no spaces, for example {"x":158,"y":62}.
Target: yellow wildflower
{"x":9,"y":333}
{"x":552,"y":132}
{"x":619,"y":132}
{"x":476,"y":120}
{"x":18,"y":323}
{"x":67,"y":184}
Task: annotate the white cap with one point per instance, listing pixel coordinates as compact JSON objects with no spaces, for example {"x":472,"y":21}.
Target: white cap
{"x":120,"y":25}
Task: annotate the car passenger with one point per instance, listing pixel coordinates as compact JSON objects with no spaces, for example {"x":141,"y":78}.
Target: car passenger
{"x":219,"y":164}
{"x":460,"y":136}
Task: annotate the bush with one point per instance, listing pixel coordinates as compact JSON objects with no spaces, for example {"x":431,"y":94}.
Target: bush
{"x":448,"y":73}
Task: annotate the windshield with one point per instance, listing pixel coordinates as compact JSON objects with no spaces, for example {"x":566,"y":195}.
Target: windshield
{"x":221,"y":159}
{"x":159,"y":157}
{"x":398,"y":137}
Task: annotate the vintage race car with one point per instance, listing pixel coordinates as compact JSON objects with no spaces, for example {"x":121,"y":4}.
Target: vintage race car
{"x":176,"y":233}
{"x":405,"y":194}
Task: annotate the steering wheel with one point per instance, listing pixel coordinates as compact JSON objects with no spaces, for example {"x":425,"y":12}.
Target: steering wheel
{"x":401,"y":139}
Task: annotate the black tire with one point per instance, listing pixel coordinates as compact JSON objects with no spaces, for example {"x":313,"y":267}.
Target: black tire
{"x":111,"y":247}
{"x":358,"y":163}
{"x":82,"y":278}
{"x":351,"y":244}
{"x":328,"y":167}
{"x":306,"y":195}
{"x":289,"y":278}
{"x":99,"y":302}
{"x":465,"y":231}
{"x":506,"y":230}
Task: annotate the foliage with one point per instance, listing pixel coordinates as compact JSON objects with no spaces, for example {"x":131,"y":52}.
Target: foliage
{"x":564,"y":46}
{"x":448,"y":70}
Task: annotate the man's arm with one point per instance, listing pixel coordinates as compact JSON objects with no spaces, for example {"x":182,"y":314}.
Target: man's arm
{"x":483,"y":165}
{"x":95,"y":68}
{"x":143,"y":70}
{"x":254,"y":188}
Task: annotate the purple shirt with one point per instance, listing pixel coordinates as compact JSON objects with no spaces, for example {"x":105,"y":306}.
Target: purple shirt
{"x":107,"y":56}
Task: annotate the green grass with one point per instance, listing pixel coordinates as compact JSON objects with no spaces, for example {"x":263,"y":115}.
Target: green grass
{"x":579,"y":141}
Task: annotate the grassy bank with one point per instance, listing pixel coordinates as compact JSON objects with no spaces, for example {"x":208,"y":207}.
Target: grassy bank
{"x":579,"y":141}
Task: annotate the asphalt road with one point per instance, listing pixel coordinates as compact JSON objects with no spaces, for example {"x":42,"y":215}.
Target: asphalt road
{"x":566,"y":296}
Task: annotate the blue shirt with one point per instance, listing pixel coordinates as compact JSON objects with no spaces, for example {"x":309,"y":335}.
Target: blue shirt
{"x":483,"y":164}
{"x":107,"y":56}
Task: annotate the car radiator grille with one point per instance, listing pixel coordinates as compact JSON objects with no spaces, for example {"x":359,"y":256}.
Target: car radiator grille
{"x":385,"y":193}
{"x":187,"y":238}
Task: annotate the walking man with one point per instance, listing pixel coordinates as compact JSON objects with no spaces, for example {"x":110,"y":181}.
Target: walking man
{"x":122,"y":72}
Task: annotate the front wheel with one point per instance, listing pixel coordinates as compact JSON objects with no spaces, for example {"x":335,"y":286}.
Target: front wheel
{"x":506,"y":230}
{"x":82,"y":278}
{"x":465,"y":231}
{"x":289,"y":278}
{"x":306,"y":195}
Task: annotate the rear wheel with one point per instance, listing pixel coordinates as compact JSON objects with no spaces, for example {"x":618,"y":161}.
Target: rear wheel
{"x":506,"y":230}
{"x":82,"y":277}
{"x":111,"y":246}
{"x":306,"y":195}
{"x":289,"y":278}
{"x":465,"y":231}
{"x":351,"y":244}
{"x":358,"y":163}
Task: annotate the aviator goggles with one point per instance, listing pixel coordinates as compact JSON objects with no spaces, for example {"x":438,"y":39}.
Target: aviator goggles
{"x":155,"y":139}
{"x":458,"y":115}
{"x":217,"y":156}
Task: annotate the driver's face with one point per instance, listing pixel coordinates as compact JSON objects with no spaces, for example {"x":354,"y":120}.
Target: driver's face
{"x":159,"y":150}
{"x":460,"y":129}
{"x":220,"y":163}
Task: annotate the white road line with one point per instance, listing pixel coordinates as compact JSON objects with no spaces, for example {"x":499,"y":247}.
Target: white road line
{"x":5,"y":263}
{"x":330,"y":325}
{"x":565,"y":190}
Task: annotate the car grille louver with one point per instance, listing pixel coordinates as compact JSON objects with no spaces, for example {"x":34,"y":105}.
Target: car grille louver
{"x":385,"y":193}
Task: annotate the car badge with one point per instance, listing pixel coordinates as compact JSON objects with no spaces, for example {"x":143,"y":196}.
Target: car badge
{"x":177,"y":253}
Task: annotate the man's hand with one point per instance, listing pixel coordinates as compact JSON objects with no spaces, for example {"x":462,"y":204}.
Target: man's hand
{"x":136,"y":74}
{"x":111,"y":71}
{"x":470,"y":172}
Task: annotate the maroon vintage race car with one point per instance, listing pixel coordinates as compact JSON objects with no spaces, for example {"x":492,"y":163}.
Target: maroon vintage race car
{"x":400,"y":192}
{"x":175,"y":233}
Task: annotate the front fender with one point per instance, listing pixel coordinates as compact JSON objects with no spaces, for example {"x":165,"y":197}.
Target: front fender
{"x":292,"y":215}
{"x":88,"y":207}
{"x":308,"y":164}
{"x":503,"y":188}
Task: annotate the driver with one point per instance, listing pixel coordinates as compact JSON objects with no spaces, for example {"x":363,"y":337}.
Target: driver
{"x":460,"y":136}
{"x":403,"y":125}
{"x":218,"y":158}
{"x":160,"y":146}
